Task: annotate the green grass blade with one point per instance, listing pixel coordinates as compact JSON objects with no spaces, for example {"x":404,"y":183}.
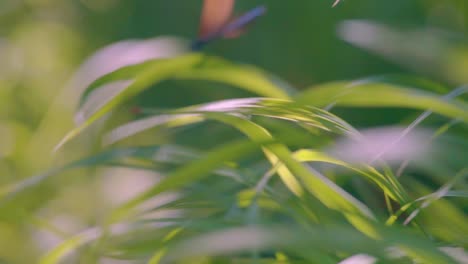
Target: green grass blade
{"x":56,"y":255}
{"x":248,"y":77}
{"x":193,"y":66}
{"x":325,"y":190}
{"x":267,"y":107}
{"x":153,"y":73}
{"x":389,"y":186}
{"x":381,"y":95}
{"x":322,"y":188}
{"x":189,"y":173}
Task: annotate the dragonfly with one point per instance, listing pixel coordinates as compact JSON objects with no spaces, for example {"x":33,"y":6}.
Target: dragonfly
{"x":216,"y":21}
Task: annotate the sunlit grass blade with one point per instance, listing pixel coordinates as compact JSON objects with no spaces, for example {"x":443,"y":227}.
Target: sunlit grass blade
{"x":59,"y":253}
{"x":325,"y":190}
{"x":390,"y":186}
{"x":156,"y":257}
{"x":56,"y":255}
{"x":268,"y":107}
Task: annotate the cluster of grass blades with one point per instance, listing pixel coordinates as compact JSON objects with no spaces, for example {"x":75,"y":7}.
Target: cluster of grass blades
{"x":268,"y":192}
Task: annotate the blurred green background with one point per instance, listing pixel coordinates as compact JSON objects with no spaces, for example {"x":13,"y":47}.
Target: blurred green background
{"x":43,"y":43}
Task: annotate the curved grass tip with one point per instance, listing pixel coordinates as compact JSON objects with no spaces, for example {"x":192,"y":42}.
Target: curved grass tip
{"x":336,"y":3}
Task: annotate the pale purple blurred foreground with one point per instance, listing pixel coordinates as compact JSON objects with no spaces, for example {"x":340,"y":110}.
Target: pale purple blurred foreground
{"x":116,"y":185}
{"x":383,"y":144}
{"x":111,"y":58}
{"x":115,"y":56}
{"x":128,"y":52}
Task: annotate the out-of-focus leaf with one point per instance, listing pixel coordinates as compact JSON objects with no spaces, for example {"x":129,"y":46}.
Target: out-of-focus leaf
{"x":208,"y":68}
{"x":444,"y":53}
{"x":104,"y":158}
{"x":68,"y":246}
{"x":322,"y":240}
{"x":406,"y":80}
{"x":55,"y":256}
{"x":192,"y":66}
{"x":156,"y":258}
{"x":150,"y":73}
{"x":359,"y":258}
